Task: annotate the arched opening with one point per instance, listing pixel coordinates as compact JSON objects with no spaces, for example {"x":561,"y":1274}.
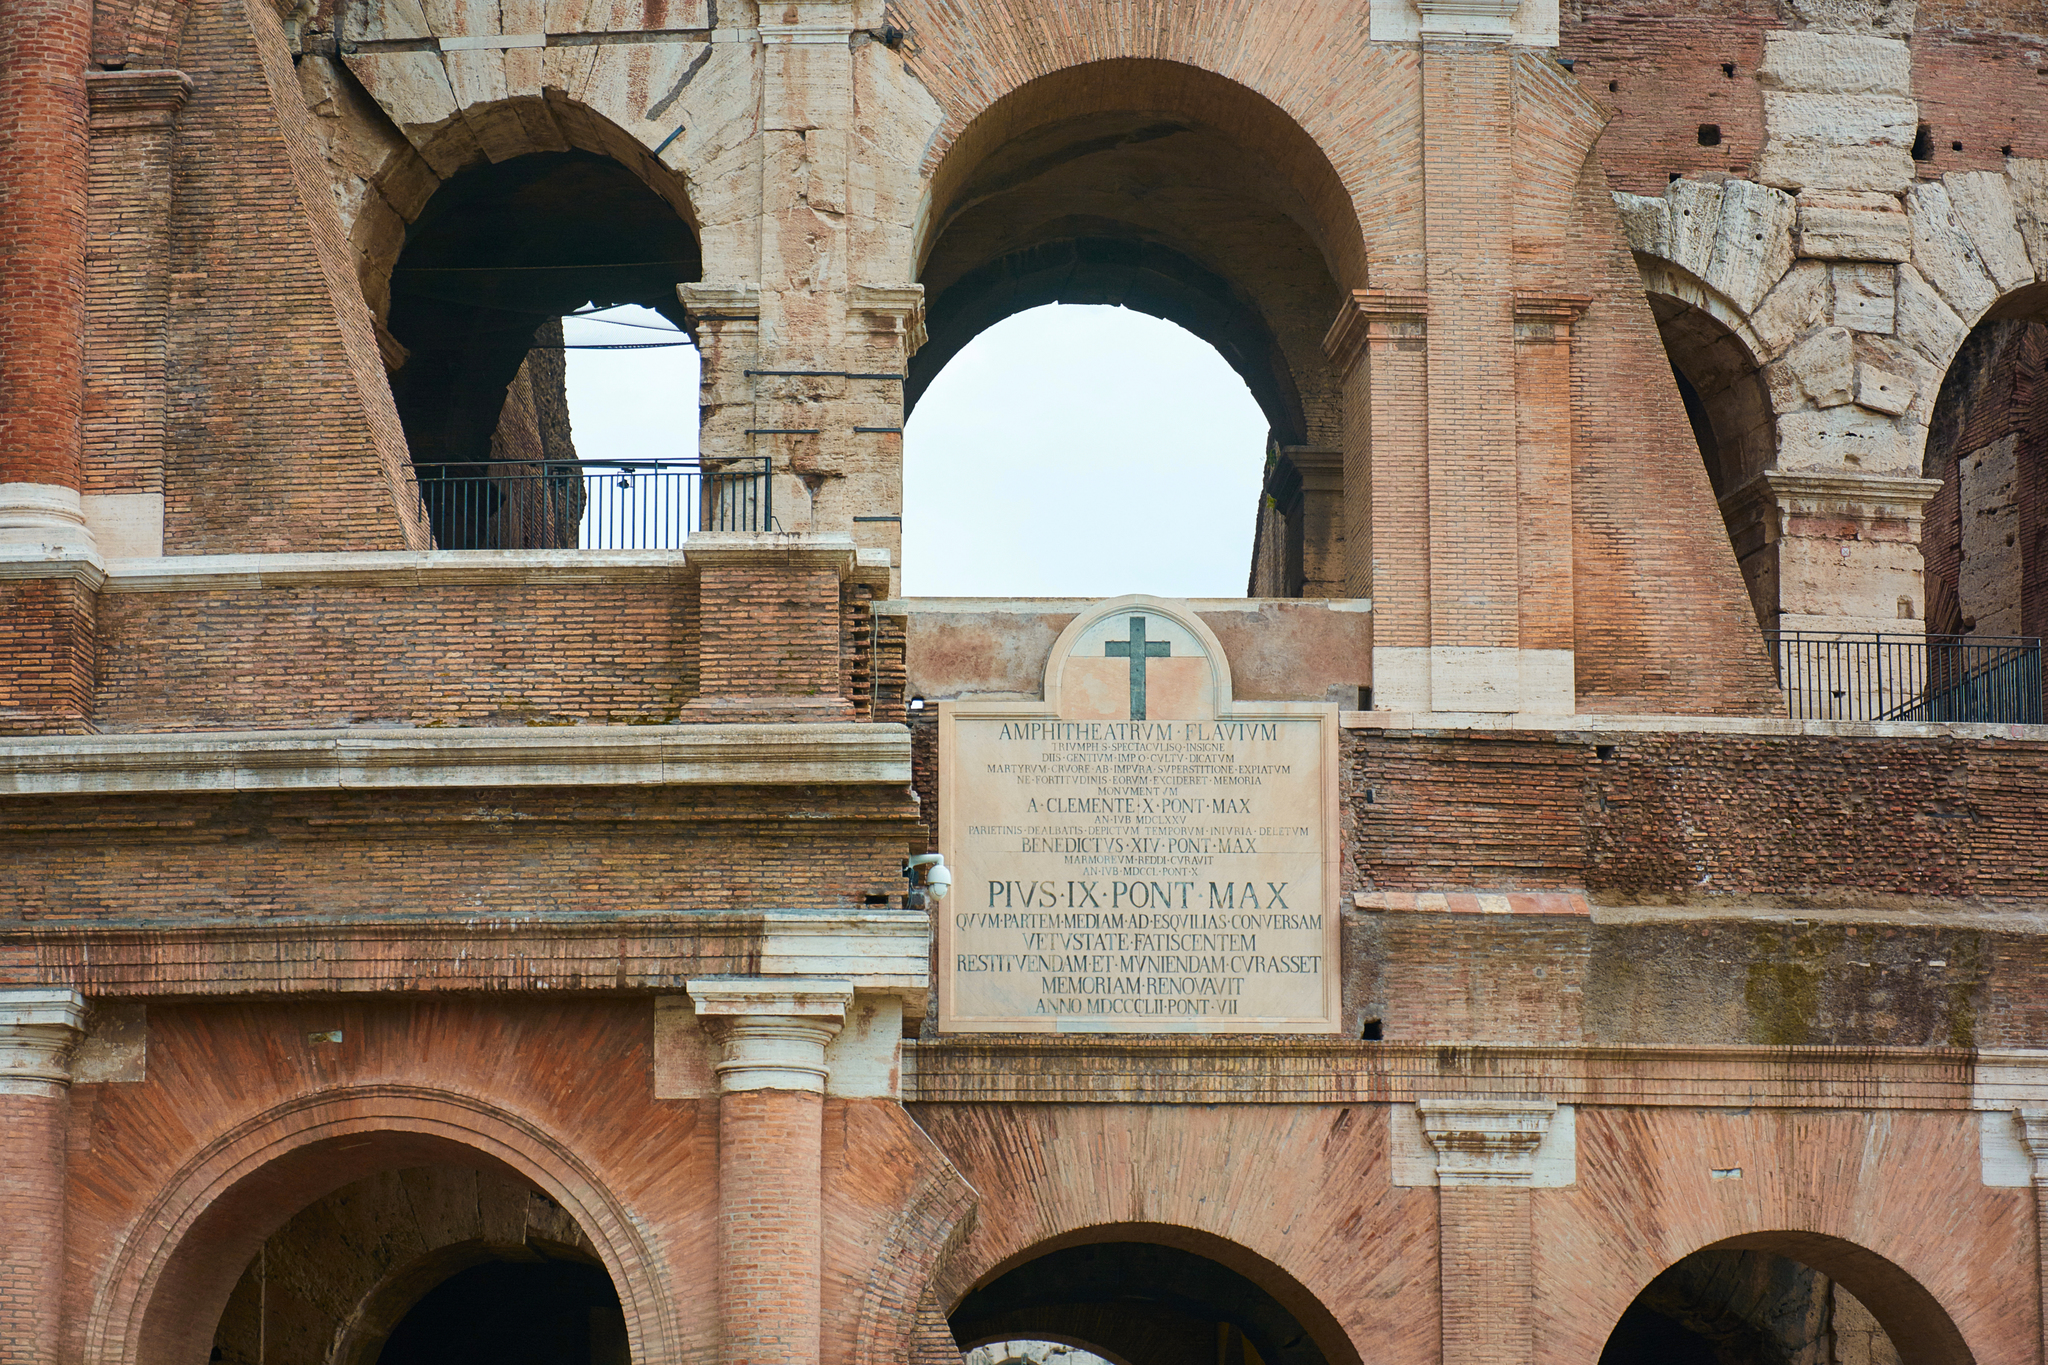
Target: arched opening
{"x":493,"y":262}
{"x":1784,"y":1298}
{"x":1984,"y":536}
{"x":1129,"y":407}
{"x":1171,"y":191}
{"x":1729,"y":408}
{"x":1144,"y":1296}
{"x":431,"y":1265}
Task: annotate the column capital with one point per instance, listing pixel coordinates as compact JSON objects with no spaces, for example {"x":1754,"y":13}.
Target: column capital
{"x":735,"y":307}
{"x":2034,"y":1133}
{"x":1375,"y":315}
{"x":1548,"y":317}
{"x":1485,"y":1142}
{"x":772,"y":1031}
{"x":1483,"y":21}
{"x":39,"y":1028}
{"x":891,"y":308}
{"x":135,"y":101}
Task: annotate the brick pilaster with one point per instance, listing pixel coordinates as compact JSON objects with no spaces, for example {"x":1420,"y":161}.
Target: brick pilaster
{"x":1543,"y":456}
{"x":2034,"y":1129}
{"x":1485,"y":1163}
{"x":1379,"y":344}
{"x":771,"y":1078}
{"x":38,"y":1030}
{"x":769,"y":629}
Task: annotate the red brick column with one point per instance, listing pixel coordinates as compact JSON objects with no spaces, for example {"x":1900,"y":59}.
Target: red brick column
{"x":44,"y":48}
{"x":38,"y":1029}
{"x":1486,"y":1160}
{"x":771,"y":1080}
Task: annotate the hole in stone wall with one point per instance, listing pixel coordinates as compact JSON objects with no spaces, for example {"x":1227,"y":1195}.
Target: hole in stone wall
{"x":1613,"y":86}
{"x":1372,"y":1031}
{"x":1923,"y":143}
{"x":1955,"y":146}
{"x":1710,"y":135}
{"x":1728,"y":70}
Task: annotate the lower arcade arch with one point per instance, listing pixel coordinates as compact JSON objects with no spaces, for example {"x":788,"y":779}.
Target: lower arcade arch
{"x":1784,"y":1298}
{"x":1143,"y":1295}
{"x":343,"y":1227}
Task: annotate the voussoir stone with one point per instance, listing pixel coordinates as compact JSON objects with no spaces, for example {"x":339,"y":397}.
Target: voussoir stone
{"x":1945,"y":254}
{"x":1984,"y":207}
{"x":1850,"y":225}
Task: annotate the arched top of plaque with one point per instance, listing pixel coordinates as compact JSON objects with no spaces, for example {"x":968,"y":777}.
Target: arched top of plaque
{"x":1137,"y":658}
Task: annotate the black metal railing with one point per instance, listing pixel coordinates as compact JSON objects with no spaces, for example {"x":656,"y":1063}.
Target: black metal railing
{"x":591,"y":504}
{"x":1991,"y":679}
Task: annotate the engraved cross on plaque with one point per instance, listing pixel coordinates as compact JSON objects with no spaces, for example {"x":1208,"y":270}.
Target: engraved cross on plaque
{"x":1137,"y":651}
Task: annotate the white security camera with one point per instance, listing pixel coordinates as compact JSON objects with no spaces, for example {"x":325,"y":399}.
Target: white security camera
{"x":938,"y":881}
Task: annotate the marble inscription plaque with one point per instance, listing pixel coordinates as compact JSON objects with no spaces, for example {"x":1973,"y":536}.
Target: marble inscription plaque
{"x":1138,"y":853}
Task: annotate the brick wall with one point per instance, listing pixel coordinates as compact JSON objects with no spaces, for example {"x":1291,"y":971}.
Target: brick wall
{"x":46,"y":656}
{"x":1661,"y":68}
{"x":1978,"y":72}
{"x":481,"y":654}
{"x":516,"y":851}
{"x":32,"y":1251}
{"x":1701,"y":818}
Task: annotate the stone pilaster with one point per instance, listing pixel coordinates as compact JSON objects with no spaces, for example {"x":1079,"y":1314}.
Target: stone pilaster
{"x":2034,"y":1131}
{"x":772,"y":1034}
{"x":39,"y":1028}
{"x":1832,"y":551}
{"x":1485,"y":1163}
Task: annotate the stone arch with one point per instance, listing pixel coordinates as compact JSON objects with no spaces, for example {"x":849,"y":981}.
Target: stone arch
{"x":164,"y":1290}
{"x":1083,"y":1287}
{"x":1160,"y":186}
{"x":1919,"y":1328}
{"x":1719,"y":362}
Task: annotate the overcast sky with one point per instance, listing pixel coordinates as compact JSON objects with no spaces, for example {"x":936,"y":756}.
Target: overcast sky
{"x":1067,"y":451}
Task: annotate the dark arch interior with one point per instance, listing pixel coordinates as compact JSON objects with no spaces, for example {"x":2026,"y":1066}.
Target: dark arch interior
{"x":1138,"y":1302}
{"x":545,"y":1312}
{"x":1145,"y":208}
{"x":500,"y":252}
{"x":1748,"y":1306}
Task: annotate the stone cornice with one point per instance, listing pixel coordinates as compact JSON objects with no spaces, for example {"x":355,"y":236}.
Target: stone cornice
{"x":1374,"y":314}
{"x":135,"y":101}
{"x":892,"y":308}
{"x":1589,"y":725}
{"x":1468,"y":20}
{"x":40,"y":1026}
{"x":1884,"y":496}
{"x":395,"y":569}
{"x":334,"y":760}
{"x":1308,"y":1071}
{"x":879,"y":950}
{"x":771,"y":550}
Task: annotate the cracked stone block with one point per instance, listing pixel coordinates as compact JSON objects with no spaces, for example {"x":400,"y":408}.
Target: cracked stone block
{"x":1836,"y":64}
{"x":1863,"y":296}
{"x":1983,"y":204}
{"x":1944,"y":253}
{"x":1925,"y":320}
{"x":1920,"y":377}
{"x":1695,"y":221}
{"x":1752,"y":241}
{"x":1796,"y":304}
{"x":1819,"y":371}
{"x":1883,"y":391}
{"x":1842,"y":225}
{"x":1847,"y":142}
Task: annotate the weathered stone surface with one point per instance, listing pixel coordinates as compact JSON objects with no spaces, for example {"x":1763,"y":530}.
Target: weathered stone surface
{"x":1920,"y":377}
{"x":1847,"y":225}
{"x":1647,"y":222}
{"x":1695,"y":221}
{"x":2029,"y":189}
{"x":1863,"y":296}
{"x":1883,"y":391}
{"x":1894,"y":17}
{"x":1752,"y":241}
{"x":1849,"y":142}
{"x":1798,"y":301}
{"x":1925,"y":319}
{"x":1836,"y":64}
{"x":1846,"y":438}
{"x":1945,"y":254}
{"x":1818,"y":371}
{"x":1984,"y":209}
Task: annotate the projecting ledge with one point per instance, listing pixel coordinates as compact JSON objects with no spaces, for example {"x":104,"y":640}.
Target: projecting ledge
{"x":588,"y":756}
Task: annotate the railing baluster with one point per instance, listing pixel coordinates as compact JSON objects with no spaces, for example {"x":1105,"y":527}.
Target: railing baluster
{"x":1846,"y":676}
{"x":589,"y":504}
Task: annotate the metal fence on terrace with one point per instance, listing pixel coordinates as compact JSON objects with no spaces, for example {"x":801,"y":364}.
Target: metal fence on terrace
{"x":591,"y":504}
{"x":1996,"y":680}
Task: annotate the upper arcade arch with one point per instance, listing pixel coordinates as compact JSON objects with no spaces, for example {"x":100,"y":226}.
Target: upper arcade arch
{"x":163,"y":1293}
{"x":1161,"y":187}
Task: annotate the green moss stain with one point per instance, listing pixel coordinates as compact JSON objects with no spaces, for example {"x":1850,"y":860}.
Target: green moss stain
{"x":1782,"y":993}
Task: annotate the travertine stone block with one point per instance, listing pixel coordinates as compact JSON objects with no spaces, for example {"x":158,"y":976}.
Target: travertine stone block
{"x":1836,"y":64}
{"x":1847,"y":225}
{"x":2027,"y":182}
{"x":1752,"y":241}
{"x":1695,"y":215}
{"x":1883,"y":391}
{"x":1818,"y":371}
{"x":1797,"y":302}
{"x":1893,"y":17}
{"x":1920,"y":377}
{"x":1647,"y":222}
{"x":1849,"y":142}
{"x":1847,"y":437}
{"x":1945,"y":254}
{"x":1984,"y":209}
{"x":1863,"y":296}
{"x":1925,"y":320}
